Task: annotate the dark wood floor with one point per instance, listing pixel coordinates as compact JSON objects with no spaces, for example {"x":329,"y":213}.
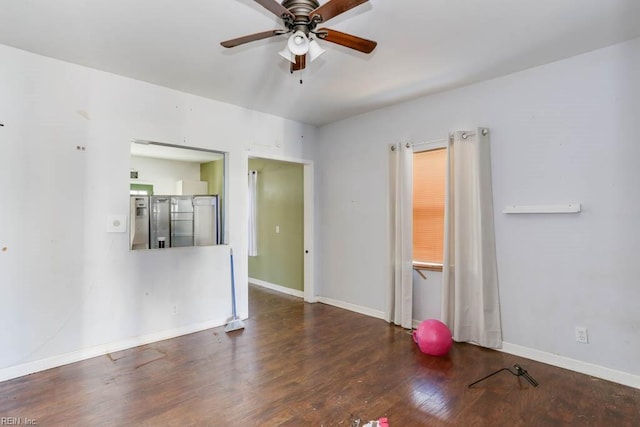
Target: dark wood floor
{"x":298,"y":364}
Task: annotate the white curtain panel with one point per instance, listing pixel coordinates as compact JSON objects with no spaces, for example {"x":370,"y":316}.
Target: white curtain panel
{"x":400,"y":295}
{"x":470,"y":303}
{"x":252,"y":205}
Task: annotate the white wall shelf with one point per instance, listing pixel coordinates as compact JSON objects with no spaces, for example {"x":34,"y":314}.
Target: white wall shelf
{"x":564,"y":208}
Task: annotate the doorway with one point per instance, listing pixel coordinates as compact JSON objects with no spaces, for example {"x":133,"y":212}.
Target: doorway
{"x":284,"y":225}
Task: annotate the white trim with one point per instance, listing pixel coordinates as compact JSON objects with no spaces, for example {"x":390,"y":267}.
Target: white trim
{"x":279,"y":157}
{"x":309,"y":245}
{"x":597,"y":371}
{"x":100,"y":350}
{"x":426,"y":264}
{"x":309,"y":221}
{"x":352,"y":307}
{"x":277,"y":288}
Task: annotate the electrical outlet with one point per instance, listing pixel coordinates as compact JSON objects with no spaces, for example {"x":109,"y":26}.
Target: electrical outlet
{"x":581,"y":335}
{"x":174,"y":309}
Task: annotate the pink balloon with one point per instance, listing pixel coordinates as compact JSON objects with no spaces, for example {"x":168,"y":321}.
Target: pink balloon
{"x":433,"y":337}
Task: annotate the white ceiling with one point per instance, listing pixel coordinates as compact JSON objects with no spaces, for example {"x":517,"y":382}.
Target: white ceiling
{"x":424,"y":46}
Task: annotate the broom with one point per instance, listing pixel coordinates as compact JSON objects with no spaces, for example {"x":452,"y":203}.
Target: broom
{"x":235,"y":323}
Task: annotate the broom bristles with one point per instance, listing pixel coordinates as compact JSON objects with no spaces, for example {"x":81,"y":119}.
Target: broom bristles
{"x":234,"y":325}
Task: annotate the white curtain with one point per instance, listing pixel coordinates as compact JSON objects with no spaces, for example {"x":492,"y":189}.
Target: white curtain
{"x":400,"y":295}
{"x":253,"y":226}
{"x":470,"y":303}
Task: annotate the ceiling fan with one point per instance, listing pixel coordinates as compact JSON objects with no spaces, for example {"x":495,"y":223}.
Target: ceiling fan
{"x":301,"y":18}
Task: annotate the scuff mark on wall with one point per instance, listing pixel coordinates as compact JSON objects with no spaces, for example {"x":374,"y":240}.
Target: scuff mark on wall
{"x":84,"y":114}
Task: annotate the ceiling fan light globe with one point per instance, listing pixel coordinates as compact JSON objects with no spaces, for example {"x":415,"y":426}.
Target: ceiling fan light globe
{"x":286,"y":54}
{"x":315,"y":50}
{"x":298,"y":43}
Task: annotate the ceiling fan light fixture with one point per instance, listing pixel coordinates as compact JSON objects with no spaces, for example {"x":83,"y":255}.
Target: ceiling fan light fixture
{"x":315,"y":50}
{"x":286,"y":54}
{"x":299,"y":20}
{"x":298,"y":43}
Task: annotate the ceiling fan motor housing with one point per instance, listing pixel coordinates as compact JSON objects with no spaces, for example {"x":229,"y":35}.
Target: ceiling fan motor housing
{"x":301,"y":10}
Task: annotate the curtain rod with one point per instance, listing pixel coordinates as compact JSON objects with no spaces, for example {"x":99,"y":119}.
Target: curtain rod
{"x":413,"y":144}
{"x":465,"y":135}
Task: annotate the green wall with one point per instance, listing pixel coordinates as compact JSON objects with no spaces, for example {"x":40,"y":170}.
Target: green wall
{"x":142,"y":187}
{"x":213,"y":173}
{"x":280,"y":202}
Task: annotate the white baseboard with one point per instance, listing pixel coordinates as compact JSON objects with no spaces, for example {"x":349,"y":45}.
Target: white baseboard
{"x":277,"y":288}
{"x":88,"y":353}
{"x":586,"y":368}
{"x":336,"y":303}
{"x":352,"y":307}
{"x":597,"y":371}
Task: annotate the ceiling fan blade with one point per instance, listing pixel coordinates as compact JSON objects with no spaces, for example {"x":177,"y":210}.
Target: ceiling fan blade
{"x":276,"y":8}
{"x":334,"y":8}
{"x":347,"y":40}
{"x":301,"y":62}
{"x":250,"y":38}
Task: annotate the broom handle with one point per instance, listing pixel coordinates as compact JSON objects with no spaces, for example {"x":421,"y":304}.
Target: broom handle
{"x":233,"y":287}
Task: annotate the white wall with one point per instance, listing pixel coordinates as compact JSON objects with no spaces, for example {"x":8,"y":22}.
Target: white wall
{"x":563,"y":132}
{"x":163,"y":174}
{"x":70,"y":289}
{"x":427,"y":296}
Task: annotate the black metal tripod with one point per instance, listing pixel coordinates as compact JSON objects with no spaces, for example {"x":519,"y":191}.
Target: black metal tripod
{"x":519,"y":372}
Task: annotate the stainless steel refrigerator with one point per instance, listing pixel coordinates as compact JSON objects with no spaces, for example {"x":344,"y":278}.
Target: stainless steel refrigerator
{"x":181,"y":221}
{"x":139,"y":227}
{"x":206,"y":221}
{"x":160,"y":230}
{"x":159,"y":222}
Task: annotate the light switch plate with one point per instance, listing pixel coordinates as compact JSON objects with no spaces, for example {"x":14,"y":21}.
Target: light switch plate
{"x":117,"y":224}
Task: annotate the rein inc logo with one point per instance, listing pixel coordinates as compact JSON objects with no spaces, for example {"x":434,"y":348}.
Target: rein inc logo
{"x":18,"y":421}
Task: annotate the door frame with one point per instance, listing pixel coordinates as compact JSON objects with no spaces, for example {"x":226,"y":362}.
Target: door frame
{"x":309,"y":221}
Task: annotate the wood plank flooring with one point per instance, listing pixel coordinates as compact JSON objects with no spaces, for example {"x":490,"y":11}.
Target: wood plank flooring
{"x":300,"y":364}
